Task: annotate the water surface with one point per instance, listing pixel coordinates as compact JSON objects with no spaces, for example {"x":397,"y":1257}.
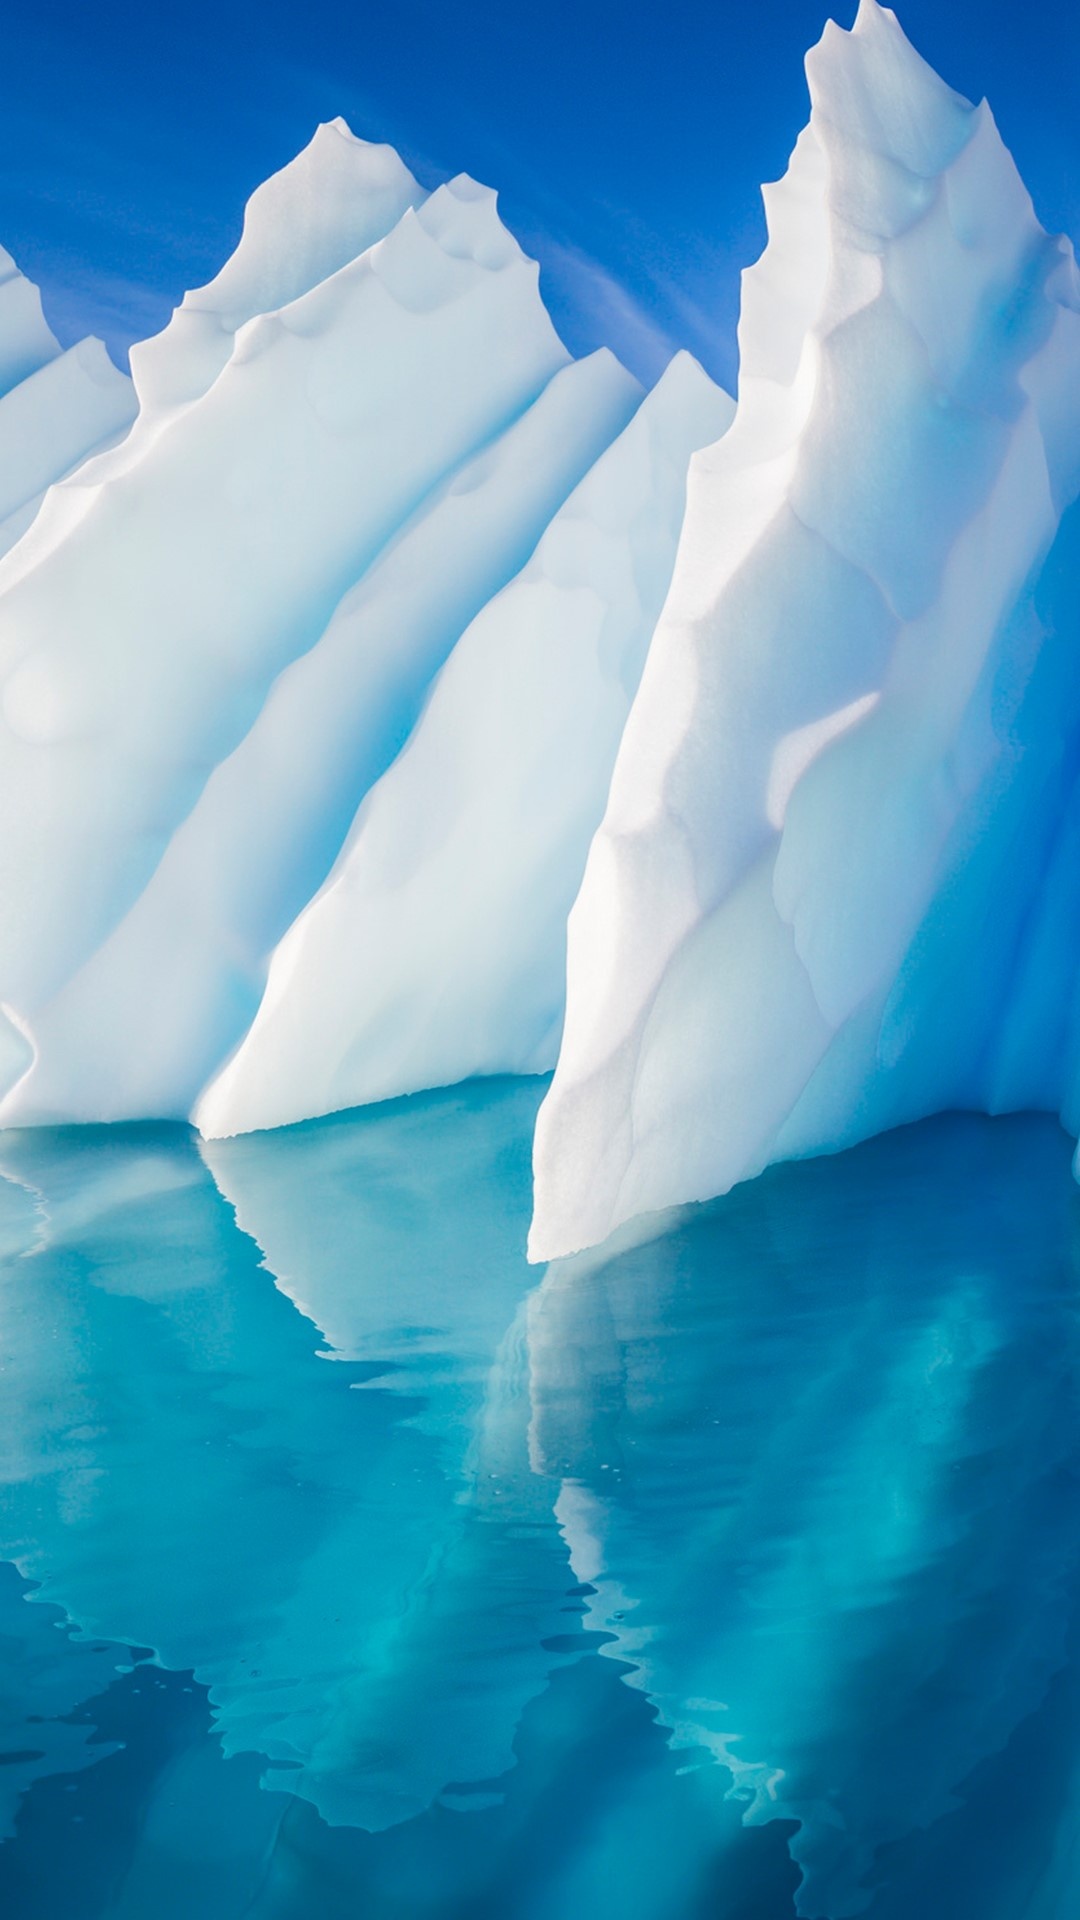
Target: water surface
{"x":350,"y":1566}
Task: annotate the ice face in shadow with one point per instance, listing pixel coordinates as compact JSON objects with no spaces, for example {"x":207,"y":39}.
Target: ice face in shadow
{"x":354,"y":1558}
{"x":833,"y":889}
{"x":817,"y":1461}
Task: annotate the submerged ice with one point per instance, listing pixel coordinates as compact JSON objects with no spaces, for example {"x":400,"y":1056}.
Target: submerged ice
{"x":380,"y":645}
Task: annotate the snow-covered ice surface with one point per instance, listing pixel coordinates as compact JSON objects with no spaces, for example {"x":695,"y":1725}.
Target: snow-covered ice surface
{"x":835,"y":885}
{"x":334,"y":685}
{"x":140,"y":1026}
{"x":218,"y":637}
{"x":141,"y":652}
{"x":480,"y":828}
{"x":334,"y":201}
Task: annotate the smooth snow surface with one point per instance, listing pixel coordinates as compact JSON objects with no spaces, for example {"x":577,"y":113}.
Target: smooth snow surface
{"x":835,"y":886}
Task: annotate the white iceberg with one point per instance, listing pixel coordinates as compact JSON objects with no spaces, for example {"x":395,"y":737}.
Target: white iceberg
{"x":218,"y":636}
{"x":324,"y":687}
{"x":140,"y":653}
{"x":831,"y":891}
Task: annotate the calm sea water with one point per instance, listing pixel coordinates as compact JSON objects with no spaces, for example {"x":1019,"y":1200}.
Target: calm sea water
{"x":351,"y":1567}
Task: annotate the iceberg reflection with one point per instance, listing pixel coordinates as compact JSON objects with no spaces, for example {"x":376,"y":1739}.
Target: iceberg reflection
{"x":362,"y":1579}
{"x":759,"y":1538}
{"x":818,"y":1458}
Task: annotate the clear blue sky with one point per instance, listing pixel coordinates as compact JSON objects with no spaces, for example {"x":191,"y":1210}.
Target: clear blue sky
{"x":627,"y":141}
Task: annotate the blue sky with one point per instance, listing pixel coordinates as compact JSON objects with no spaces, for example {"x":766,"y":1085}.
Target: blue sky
{"x":627,"y":141}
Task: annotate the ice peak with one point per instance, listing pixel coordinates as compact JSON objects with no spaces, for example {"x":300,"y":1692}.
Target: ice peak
{"x":684,"y":384}
{"x":331,"y":203}
{"x":871,"y":17}
{"x":93,"y":357}
{"x":334,"y":200}
{"x":340,"y":125}
{"x":869,"y":86}
{"x":462,"y":217}
{"x":464,"y":187}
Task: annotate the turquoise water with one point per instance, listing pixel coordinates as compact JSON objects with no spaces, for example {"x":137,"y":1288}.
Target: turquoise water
{"x":352,"y":1567}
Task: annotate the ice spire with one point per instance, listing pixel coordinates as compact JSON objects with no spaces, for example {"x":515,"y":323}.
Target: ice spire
{"x":772,"y":948}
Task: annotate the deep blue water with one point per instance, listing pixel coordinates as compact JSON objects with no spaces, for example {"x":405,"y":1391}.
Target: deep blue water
{"x":353,"y":1568}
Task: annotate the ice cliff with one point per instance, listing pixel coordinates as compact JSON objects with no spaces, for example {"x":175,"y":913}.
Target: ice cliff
{"x":835,"y":887}
{"x":380,"y":644}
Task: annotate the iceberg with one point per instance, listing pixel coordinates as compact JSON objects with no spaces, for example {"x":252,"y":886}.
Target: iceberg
{"x":389,"y":698}
{"x":218,"y":637}
{"x":833,"y":889}
{"x":143,"y":630}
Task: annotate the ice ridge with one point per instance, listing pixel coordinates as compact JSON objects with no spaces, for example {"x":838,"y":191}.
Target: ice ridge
{"x":806,"y":914}
{"x":220,"y":639}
